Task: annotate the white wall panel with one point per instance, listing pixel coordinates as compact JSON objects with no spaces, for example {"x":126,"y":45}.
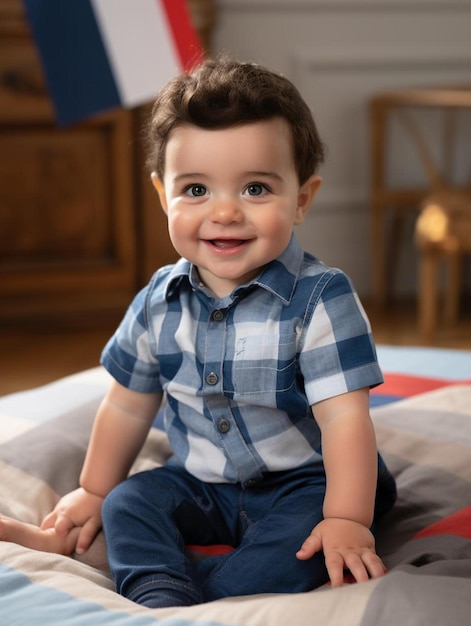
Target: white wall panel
{"x":339,"y":53}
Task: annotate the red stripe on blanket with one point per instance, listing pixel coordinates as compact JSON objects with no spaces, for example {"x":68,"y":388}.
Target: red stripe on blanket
{"x":405,"y":386}
{"x":218,"y":550}
{"x":458,"y":523}
{"x":215,"y":550}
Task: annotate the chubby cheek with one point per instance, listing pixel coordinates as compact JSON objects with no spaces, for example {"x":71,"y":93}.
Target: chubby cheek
{"x":182,"y":228}
{"x":276,"y":226}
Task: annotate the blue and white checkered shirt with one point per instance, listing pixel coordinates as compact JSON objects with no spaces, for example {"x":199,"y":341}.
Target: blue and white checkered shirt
{"x":241,"y":373}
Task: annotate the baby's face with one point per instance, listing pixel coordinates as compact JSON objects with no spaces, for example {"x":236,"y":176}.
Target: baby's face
{"x":232,"y":197}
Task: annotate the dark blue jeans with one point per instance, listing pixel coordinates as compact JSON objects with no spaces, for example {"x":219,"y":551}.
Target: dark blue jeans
{"x":150,"y":518}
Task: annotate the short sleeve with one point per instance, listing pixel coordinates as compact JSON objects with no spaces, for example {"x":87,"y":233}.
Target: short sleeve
{"x":128,"y":356}
{"x":338,"y":354}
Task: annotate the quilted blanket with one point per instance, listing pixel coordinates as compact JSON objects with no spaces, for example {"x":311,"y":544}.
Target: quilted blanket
{"x":425,"y":540}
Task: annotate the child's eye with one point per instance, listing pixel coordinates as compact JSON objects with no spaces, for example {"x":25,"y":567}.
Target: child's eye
{"x":196,"y":191}
{"x":256,"y":189}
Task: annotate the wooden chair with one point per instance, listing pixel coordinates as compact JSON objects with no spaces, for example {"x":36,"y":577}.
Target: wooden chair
{"x":443,"y":227}
{"x":397,"y":202}
{"x":442,"y":236}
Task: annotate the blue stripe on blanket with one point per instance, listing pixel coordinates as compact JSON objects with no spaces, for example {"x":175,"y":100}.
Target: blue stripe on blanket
{"x":380,"y":400}
{"x":426,"y":362}
{"x":41,"y":604}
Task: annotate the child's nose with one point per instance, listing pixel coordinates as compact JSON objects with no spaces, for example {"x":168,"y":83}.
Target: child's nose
{"x":226,"y":210}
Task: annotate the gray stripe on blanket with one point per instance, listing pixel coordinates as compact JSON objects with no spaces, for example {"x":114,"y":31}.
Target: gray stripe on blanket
{"x":430,"y":583}
{"x":425,"y":495}
{"x":53,"y":451}
{"x":443,"y":426}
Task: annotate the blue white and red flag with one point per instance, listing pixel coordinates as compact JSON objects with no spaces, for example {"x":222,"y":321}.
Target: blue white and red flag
{"x":101,"y":54}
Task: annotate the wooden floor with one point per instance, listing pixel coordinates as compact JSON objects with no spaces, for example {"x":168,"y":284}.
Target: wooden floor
{"x":34,"y":357}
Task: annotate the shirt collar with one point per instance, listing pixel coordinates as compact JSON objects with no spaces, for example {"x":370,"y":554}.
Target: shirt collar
{"x":279,"y":276}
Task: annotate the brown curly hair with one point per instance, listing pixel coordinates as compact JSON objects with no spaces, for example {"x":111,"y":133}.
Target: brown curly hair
{"x":223,"y":93}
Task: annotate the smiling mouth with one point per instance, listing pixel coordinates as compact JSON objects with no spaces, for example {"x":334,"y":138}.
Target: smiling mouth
{"x":227,"y":244}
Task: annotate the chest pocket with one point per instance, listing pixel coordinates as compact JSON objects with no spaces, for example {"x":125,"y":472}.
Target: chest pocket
{"x":264,"y":364}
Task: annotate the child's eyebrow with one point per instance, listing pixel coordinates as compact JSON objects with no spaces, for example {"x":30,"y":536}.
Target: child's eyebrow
{"x":189,"y":177}
{"x":255,"y":174}
{"x":248,"y":174}
{"x":179,"y":177}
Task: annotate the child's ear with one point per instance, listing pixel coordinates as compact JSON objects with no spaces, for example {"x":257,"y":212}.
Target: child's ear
{"x":158,"y":186}
{"x":306,"y":196}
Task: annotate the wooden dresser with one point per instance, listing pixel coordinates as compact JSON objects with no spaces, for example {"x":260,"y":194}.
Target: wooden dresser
{"x":80,"y":225}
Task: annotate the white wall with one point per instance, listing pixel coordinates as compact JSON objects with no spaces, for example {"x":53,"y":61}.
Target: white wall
{"x":339,"y":53}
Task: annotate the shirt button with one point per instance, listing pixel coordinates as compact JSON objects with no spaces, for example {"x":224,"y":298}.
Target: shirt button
{"x":212,"y":378}
{"x":218,"y":315}
{"x":224,"y":426}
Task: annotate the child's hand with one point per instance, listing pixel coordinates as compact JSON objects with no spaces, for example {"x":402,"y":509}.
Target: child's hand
{"x":31,"y":536}
{"x":78,"y":508}
{"x":346,"y":545}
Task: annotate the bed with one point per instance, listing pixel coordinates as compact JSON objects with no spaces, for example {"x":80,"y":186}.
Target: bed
{"x":422,"y":416}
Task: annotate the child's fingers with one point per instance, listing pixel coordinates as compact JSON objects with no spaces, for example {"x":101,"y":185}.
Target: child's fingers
{"x":361,"y":566}
{"x":68,"y":543}
{"x":49,"y":521}
{"x":356,"y":566}
{"x":335,"y":567}
{"x":88,"y":532}
{"x":31,"y":536}
{"x":374,"y":565}
{"x":63,"y":525}
{"x":312,"y":545}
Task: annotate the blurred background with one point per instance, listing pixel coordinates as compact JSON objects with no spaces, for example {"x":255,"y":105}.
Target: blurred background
{"x":80,"y":226}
